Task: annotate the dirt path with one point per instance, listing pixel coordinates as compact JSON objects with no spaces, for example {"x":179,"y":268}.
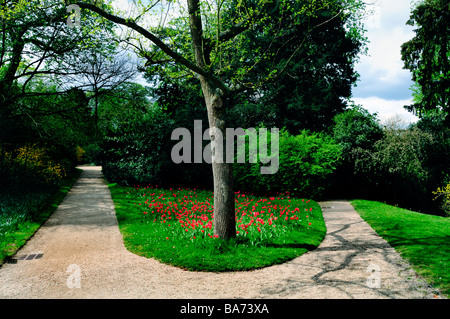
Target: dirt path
{"x":83,"y":256}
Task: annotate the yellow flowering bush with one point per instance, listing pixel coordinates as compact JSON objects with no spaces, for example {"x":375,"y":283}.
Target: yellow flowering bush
{"x":79,"y":152}
{"x":444,"y":192}
{"x":35,"y":163}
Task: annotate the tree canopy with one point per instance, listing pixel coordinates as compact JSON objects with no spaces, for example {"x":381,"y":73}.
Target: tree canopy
{"x":427,"y":56}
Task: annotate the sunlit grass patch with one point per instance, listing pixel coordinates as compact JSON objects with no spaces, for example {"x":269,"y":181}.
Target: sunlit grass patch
{"x":177,"y":228}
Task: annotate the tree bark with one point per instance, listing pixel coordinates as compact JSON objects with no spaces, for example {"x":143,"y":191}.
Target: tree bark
{"x":224,"y":203}
{"x":224,"y":206}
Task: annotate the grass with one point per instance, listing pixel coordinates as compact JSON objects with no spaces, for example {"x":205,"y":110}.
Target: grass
{"x":176,"y":228}
{"x":23,"y":209}
{"x":423,"y":240}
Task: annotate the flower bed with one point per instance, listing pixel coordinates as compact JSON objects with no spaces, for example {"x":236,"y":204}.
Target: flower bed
{"x":175,"y":226}
{"x":186,"y":215}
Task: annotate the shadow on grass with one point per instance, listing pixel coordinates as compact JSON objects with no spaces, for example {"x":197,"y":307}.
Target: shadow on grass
{"x":291,"y":245}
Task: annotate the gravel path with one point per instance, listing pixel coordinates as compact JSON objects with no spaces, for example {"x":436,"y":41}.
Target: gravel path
{"x":83,"y":256}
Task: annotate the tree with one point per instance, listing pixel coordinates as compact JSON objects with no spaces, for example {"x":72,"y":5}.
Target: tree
{"x":100,"y":72}
{"x":318,"y":82}
{"x":217,"y":61}
{"x":36,"y":47}
{"x":427,"y":56}
{"x":36,"y":42}
{"x":357,"y":131}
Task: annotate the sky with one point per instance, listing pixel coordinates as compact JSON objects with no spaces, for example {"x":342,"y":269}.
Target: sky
{"x":384,"y":86}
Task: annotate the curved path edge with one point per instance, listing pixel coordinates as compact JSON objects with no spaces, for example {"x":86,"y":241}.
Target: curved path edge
{"x":82,"y":255}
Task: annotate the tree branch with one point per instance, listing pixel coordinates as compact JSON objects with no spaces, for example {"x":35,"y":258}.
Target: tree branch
{"x":160,"y":44}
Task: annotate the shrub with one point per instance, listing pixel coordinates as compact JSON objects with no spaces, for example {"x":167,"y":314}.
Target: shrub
{"x":31,"y":164}
{"x":443,"y":193}
{"x":396,"y":168}
{"x":137,"y":151}
{"x":79,"y":153}
{"x":92,"y":153}
{"x":305,"y":162}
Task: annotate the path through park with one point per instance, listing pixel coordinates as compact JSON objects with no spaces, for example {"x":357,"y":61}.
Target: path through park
{"x":80,"y":254}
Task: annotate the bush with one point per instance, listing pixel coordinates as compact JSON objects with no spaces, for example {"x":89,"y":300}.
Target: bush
{"x":305,"y":163}
{"x":31,"y":164}
{"x":92,"y":153}
{"x":356,"y":128}
{"x":397,"y":169}
{"x":138,"y":151}
{"x":443,"y":193}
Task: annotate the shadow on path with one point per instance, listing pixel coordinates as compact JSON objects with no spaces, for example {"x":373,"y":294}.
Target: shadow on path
{"x":83,"y":235}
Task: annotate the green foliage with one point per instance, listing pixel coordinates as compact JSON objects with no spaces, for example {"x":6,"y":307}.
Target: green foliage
{"x":37,"y":44}
{"x":356,"y":131}
{"x":427,"y":56}
{"x":397,"y":168}
{"x":356,"y":128}
{"x":399,"y":165}
{"x":305,"y":163}
{"x":281,"y":56}
{"x":31,"y":164}
{"x":402,"y":154}
{"x":438,"y":152}
{"x":137,"y":151}
{"x":443,"y":194}
{"x":176,"y":230}
{"x":38,"y":103}
{"x":34,"y":165}
{"x":317,"y":82}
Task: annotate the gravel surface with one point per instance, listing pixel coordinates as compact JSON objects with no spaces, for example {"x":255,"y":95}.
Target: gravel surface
{"x":83,"y":256}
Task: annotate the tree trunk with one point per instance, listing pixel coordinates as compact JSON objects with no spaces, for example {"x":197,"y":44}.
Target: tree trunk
{"x":224,"y":203}
{"x":224,"y":206}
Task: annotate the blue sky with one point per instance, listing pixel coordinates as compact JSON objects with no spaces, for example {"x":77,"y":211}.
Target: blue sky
{"x":384,"y":85}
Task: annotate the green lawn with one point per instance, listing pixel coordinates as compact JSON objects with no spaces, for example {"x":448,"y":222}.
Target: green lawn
{"x":423,"y":240}
{"x":176,"y":228}
{"x":24,"y":208}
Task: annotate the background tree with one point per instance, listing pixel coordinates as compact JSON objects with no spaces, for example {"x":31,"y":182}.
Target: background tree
{"x":317,"y":84}
{"x":427,"y":56}
{"x":101,"y":71}
{"x":218,"y":62}
{"x":357,"y":131}
{"x":35,"y":49}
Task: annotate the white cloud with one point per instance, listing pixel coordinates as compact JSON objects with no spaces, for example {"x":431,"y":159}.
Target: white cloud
{"x":122,"y":5}
{"x":384,"y":84}
{"x":387,"y":32}
{"x":387,"y":109}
